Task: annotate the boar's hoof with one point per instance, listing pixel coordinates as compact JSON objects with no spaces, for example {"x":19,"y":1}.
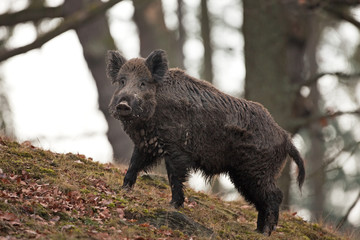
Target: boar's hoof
{"x":266,"y":231}
{"x":176,"y":205}
{"x":126,"y":187}
{"x":123,"y":108}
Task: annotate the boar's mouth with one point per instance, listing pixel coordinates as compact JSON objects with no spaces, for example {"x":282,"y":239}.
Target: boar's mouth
{"x":123,"y":109}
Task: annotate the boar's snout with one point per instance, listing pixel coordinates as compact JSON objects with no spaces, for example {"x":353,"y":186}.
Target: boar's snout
{"x":123,"y":108}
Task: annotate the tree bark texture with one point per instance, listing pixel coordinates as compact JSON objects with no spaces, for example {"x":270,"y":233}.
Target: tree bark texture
{"x":181,"y":29}
{"x":207,"y":71}
{"x":277,"y":36}
{"x":317,"y":150}
{"x":153,"y":33}
{"x":96,"y":40}
{"x":267,"y":79}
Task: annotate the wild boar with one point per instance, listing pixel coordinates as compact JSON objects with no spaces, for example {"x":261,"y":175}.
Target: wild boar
{"x":192,"y":125}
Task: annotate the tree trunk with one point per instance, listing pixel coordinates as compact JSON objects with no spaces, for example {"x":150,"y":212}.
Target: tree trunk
{"x":182,"y":33}
{"x":277,"y":38}
{"x":267,"y":78}
{"x":153,"y":33}
{"x":317,"y":150}
{"x":96,"y":40}
{"x":207,"y":71}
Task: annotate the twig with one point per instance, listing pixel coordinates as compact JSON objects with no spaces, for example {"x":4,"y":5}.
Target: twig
{"x":302,"y":122}
{"x":11,"y":19}
{"x":343,"y":219}
{"x":70,"y":22}
{"x":342,"y":75}
{"x":328,"y":161}
{"x":338,"y":13}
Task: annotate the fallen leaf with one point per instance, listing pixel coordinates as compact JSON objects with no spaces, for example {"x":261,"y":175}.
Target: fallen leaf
{"x":55,"y":219}
{"x":27,"y":144}
{"x":15,"y":223}
{"x":241,"y":219}
{"x":67,"y":227}
{"x":145,"y":225}
{"x":192,"y":204}
{"x":8,"y":216}
{"x":31,"y":232}
{"x":121,"y":212}
{"x":13,"y":177}
{"x":245,"y":206}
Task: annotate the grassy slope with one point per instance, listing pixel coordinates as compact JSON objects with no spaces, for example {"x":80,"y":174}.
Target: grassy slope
{"x":66,"y":196}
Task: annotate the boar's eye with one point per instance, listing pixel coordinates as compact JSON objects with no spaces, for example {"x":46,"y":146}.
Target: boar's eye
{"x":122,"y":81}
{"x":142,"y":85}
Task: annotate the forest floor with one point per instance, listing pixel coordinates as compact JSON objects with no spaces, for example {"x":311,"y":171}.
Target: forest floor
{"x":46,"y":195}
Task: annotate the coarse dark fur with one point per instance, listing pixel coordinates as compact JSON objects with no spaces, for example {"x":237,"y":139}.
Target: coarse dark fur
{"x":192,"y":125}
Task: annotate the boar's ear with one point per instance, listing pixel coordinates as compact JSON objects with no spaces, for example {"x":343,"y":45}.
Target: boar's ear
{"x":158,"y":64}
{"x":114,"y":61}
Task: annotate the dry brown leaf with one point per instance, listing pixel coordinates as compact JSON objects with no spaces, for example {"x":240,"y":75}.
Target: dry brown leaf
{"x":8,"y":216}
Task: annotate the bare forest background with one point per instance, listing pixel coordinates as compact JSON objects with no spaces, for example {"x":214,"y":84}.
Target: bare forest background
{"x":302,"y":62}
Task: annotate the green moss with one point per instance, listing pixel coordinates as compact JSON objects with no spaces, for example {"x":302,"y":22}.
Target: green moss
{"x":47,"y":171}
{"x":85,"y":191}
{"x":89,"y":222}
{"x":41,"y":211}
{"x":111,"y":205}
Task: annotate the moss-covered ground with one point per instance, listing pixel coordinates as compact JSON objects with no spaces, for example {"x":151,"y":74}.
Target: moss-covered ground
{"x":46,"y":195}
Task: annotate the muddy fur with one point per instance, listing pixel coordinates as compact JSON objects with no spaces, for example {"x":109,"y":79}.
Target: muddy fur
{"x":192,"y":125}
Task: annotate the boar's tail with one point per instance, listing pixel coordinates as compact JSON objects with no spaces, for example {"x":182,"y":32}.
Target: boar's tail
{"x":294,"y":154}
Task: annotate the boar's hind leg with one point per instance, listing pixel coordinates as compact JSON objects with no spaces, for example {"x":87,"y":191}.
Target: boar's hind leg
{"x":269,"y":214}
{"x":266,"y":197}
{"x":177,"y":173}
{"x":137,"y":163}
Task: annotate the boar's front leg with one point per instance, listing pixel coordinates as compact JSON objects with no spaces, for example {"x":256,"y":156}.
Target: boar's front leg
{"x":177,"y":170}
{"x":137,"y":164}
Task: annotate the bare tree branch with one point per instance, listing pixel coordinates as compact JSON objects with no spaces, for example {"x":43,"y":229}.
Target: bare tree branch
{"x":344,"y":218}
{"x":352,"y":147}
{"x":312,"y":4}
{"x":11,"y":19}
{"x":341,"y":75}
{"x":303,"y":122}
{"x":70,"y":22}
{"x":340,"y":14}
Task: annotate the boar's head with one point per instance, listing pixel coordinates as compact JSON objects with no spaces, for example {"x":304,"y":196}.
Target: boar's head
{"x":137,"y":80}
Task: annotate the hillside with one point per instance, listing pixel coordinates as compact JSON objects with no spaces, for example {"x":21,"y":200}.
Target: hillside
{"x":68,"y":196}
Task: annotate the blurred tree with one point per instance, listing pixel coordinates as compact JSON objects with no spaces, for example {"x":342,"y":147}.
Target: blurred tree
{"x":91,"y":26}
{"x":281,"y":43}
{"x":6,"y":127}
{"x":181,"y":31}
{"x":70,"y":22}
{"x":153,"y":32}
{"x":96,"y":40}
{"x":267,"y":68}
{"x":207,"y":71}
